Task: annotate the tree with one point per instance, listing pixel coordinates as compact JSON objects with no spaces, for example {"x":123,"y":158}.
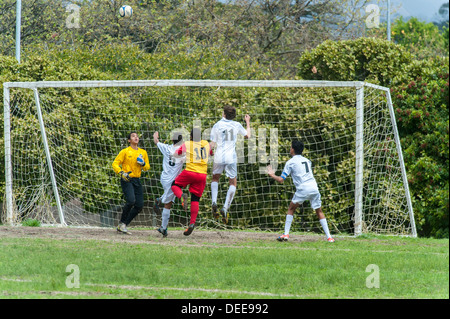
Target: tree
{"x":275,"y":32}
{"x":40,"y":20}
{"x":443,"y":16}
{"x":423,"y":39}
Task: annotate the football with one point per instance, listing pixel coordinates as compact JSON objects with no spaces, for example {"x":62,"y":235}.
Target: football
{"x":125,"y":11}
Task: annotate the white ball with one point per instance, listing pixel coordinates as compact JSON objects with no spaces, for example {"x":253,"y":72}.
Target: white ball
{"x":125,"y":11}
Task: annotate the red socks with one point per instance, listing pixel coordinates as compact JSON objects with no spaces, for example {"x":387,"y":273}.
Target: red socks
{"x":177,"y":191}
{"x":194,"y":212}
{"x":194,"y":204}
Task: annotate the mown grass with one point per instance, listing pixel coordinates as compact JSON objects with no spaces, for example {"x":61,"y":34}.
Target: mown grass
{"x":408,"y":268}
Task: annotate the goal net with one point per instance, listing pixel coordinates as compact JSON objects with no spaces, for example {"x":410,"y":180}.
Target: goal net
{"x":61,"y":139}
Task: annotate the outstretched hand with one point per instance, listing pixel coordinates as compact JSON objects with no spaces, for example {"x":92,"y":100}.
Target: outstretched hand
{"x":156,"y":137}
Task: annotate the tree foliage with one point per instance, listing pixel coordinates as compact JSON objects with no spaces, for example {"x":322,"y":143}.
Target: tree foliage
{"x":274,"y":32}
{"x":423,"y":39}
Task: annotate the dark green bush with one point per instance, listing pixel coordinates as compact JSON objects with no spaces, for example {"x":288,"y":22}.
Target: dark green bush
{"x":419,"y":90}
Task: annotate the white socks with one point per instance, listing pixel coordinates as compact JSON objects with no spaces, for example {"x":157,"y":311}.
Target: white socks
{"x":324,"y":224}
{"x":290,"y":218}
{"x":165,"y":218}
{"x":214,"y":191}
{"x":287,"y":225}
{"x":230,"y":196}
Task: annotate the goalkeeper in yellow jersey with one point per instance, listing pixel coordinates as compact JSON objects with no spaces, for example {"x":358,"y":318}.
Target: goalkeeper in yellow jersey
{"x":129,"y":164}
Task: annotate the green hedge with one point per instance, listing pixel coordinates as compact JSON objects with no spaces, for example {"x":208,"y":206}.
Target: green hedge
{"x":91,"y":176}
{"x":419,"y":90}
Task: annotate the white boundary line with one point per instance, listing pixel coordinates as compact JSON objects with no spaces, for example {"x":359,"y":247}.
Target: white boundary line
{"x":231,"y":291}
{"x":132,"y":287}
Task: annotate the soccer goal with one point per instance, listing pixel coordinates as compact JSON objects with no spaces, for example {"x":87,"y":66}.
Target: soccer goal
{"x":60,"y":139}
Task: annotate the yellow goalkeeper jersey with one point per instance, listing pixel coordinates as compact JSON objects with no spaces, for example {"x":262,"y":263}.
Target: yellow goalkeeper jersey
{"x":127,"y":161}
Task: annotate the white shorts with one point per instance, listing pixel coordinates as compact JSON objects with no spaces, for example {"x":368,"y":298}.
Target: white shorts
{"x":230,"y":169}
{"x":308,"y":192}
{"x":168,"y":195}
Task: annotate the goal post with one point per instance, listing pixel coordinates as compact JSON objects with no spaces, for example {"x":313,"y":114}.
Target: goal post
{"x":48,"y":157}
{"x":359,"y":159}
{"x":60,"y":138}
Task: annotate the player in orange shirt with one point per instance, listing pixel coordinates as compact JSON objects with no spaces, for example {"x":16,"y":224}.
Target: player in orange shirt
{"x":197,"y":154}
{"x":129,"y":164}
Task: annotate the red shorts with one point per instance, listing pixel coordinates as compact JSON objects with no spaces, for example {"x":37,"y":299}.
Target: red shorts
{"x":196,"y":182}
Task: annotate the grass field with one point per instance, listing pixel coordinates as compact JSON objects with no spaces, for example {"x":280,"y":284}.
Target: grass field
{"x":216,"y":265}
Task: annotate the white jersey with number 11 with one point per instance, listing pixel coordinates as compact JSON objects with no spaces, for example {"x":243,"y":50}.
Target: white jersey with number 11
{"x":224,"y":133}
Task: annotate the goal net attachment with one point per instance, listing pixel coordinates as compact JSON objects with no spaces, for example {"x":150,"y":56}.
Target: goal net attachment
{"x":60,"y":139}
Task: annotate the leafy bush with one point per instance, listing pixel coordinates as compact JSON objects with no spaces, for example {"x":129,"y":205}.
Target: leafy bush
{"x":419,"y":90}
{"x":422,"y":113}
{"x":364,"y":59}
{"x":121,"y":62}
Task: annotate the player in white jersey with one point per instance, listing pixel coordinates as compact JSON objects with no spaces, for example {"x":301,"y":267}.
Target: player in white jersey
{"x":224,"y":136}
{"x":300,"y":169}
{"x":172,"y":167}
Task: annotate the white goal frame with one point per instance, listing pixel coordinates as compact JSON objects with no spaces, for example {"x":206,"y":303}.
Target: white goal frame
{"x":357,"y":85}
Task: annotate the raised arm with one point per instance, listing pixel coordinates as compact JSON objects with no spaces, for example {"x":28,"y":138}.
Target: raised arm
{"x":156,"y":137}
{"x":271,"y":173}
{"x":247,"y":121}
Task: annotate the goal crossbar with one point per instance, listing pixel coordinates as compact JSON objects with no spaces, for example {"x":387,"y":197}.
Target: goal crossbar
{"x":196,"y":83}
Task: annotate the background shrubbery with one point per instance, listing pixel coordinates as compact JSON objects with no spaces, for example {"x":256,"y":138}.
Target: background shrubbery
{"x":89,"y":179}
{"x":419,"y":91}
{"x":217,"y":40}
